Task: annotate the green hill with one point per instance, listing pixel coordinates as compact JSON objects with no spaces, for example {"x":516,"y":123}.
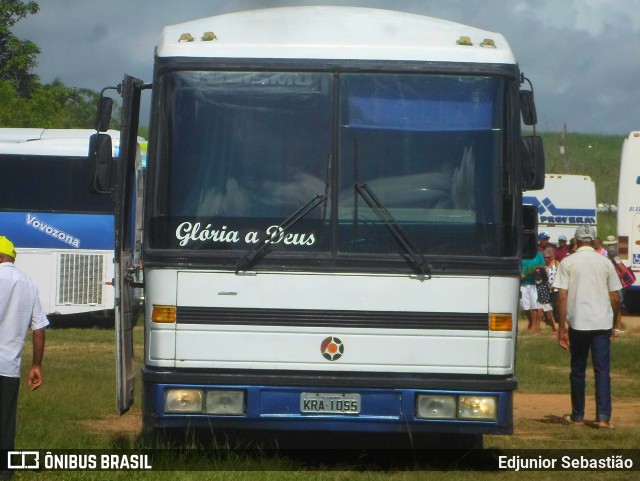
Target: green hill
{"x":597,"y":156}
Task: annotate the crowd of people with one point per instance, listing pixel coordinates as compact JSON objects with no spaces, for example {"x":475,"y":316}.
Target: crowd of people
{"x":538,"y":297}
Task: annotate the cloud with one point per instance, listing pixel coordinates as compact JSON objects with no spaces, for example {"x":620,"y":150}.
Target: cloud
{"x":580,"y":54}
{"x":592,"y":17}
{"x":99,"y":31}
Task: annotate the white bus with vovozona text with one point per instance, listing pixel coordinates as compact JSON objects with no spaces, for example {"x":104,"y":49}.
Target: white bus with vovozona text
{"x":64,"y":235}
{"x":333,"y":225}
{"x":566,"y":202}
{"x":628,"y":215}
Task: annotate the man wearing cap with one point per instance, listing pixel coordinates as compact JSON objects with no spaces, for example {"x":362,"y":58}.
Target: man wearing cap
{"x":543,"y":241}
{"x":588,"y":302}
{"x":19,"y":310}
{"x":562,"y":250}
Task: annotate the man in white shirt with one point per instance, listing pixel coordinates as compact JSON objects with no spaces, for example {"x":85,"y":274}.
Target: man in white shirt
{"x":19,"y":310}
{"x":588,"y":302}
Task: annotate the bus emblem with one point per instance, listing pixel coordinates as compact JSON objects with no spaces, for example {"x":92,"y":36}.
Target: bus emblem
{"x":332,"y":348}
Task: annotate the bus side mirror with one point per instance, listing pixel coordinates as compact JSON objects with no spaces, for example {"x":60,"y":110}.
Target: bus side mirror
{"x":532,"y":156}
{"x":528,"y":108}
{"x":529,"y":231}
{"x":103,"y":116}
{"x":101,"y":161}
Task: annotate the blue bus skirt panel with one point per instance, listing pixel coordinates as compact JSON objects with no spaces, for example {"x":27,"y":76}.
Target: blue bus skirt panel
{"x":277,"y":408}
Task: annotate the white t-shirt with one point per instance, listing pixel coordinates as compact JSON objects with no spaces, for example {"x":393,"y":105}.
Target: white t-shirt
{"x":19,"y":309}
{"x":589,"y":278}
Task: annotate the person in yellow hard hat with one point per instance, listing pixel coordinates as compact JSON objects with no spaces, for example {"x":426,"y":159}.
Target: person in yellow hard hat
{"x":7,"y":248}
{"x":19,"y":310}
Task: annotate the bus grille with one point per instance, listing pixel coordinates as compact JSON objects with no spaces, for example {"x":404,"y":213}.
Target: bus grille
{"x":80,"y":279}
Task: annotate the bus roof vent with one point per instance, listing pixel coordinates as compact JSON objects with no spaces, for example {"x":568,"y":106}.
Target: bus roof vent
{"x":464,"y":40}
{"x":186,"y":37}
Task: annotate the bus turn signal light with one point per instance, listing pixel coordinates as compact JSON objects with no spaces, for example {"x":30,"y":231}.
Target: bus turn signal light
{"x":163,"y":314}
{"x":500,"y":322}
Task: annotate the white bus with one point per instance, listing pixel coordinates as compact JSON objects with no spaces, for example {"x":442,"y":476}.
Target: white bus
{"x":566,"y":202}
{"x":628,"y":215}
{"x":64,"y":236}
{"x":333,"y":224}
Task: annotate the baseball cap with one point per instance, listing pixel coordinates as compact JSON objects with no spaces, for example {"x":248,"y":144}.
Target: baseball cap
{"x":543,"y":235}
{"x":585,"y":233}
{"x":6,"y":247}
{"x":562,"y":237}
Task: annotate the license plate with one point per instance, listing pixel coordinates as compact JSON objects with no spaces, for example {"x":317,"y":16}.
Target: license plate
{"x":329,"y":403}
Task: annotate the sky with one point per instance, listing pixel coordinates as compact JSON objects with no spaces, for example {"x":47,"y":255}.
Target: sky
{"x":581,"y":55}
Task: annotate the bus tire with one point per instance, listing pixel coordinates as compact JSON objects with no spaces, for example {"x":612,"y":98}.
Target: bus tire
{"x":632,"y":302}
{"x":448,"y":441}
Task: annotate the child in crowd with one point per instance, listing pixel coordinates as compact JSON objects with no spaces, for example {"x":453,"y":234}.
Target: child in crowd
{"x":544,"y":298}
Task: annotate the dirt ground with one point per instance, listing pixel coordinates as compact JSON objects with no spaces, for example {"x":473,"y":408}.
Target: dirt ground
{"x":544,"y":409}
{"x":530,"y":410}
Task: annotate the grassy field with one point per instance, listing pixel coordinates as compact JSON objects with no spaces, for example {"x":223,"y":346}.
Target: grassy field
{"x":75,"y":409}
{"x":595,"y":155}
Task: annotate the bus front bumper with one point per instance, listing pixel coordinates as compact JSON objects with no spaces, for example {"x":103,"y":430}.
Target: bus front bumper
{"x":206,"y":400}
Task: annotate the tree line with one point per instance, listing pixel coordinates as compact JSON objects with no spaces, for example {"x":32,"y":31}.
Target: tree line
{"x":24,"y":100}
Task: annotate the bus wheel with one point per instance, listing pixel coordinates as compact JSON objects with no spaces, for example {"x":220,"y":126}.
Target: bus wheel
{"x":632,"y":302}
{"x":462,"y":441}
{"x":450,"y":441}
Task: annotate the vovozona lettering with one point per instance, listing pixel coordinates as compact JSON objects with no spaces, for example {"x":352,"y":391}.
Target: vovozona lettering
{"x":37,"y":224}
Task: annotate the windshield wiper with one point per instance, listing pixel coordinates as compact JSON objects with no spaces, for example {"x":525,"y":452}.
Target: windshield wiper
{"x":261,"y":249}
{"x":402,"y":238}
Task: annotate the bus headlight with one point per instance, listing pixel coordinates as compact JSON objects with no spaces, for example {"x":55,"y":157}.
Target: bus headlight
{"x":183,"y":401}
{"x":230,"y":403}
{"x":436,"y":407}
{"x":477,"y":408}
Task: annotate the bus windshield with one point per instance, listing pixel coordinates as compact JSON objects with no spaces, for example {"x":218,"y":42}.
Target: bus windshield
{"x":239,"y":152}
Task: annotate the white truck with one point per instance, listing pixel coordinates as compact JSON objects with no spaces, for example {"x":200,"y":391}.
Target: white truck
{"x":629,"y":215}
{"x":565,"y":202}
